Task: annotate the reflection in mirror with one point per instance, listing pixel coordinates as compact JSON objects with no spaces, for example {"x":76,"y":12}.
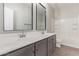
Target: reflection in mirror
{"x":41,"y":17}
{"x":18,"y":16}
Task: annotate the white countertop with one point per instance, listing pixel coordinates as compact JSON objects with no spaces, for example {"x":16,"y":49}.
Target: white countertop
{"x":5,"y":48}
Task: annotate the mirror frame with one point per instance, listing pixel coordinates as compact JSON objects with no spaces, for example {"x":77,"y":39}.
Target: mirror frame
{"x":45,"y":16}
{"x":19,"y":30}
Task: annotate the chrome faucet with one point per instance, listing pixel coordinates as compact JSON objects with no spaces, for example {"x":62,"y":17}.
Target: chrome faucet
{"x":22,"y":35}
{"x":43,"y":32}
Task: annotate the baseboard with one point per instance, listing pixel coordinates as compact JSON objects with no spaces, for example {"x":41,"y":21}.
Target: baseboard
{"x":58,"y":45}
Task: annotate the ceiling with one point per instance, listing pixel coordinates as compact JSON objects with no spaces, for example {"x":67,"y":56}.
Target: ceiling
{"x":63,"y":5}
{"x":65,"y":10}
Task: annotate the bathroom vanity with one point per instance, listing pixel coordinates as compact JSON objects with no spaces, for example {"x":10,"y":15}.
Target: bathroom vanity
{"x":17,"y":19}
{"x":43,"y":45}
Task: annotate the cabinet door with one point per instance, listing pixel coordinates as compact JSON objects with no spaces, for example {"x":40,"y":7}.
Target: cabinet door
{"x":51,"y":45}
{"x":54,"y":42}
{"x":26,"y":51}
{"x":41,"y":48}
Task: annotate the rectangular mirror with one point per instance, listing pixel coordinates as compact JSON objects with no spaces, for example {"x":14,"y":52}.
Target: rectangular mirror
{"x":40,"y":17}
{"x":18,"y":16}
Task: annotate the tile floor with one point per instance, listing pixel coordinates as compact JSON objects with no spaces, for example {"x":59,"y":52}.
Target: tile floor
{"x":66,"y":51}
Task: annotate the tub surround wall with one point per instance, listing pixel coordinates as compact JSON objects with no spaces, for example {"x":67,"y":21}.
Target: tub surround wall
{"x":67,"y":24}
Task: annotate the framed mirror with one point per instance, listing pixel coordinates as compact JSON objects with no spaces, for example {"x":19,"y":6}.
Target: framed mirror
{"x":40,"y":17}
{"x":18,"y":16}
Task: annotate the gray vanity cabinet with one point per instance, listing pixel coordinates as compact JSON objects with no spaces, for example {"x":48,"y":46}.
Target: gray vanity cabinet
{"x":26,"y":51}
{"x":51,"y":45}
{"x":41,"y":48}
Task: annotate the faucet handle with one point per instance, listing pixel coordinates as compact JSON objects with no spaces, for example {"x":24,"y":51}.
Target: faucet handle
{"x":22,"y":35}
{"x":43,"y":32}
